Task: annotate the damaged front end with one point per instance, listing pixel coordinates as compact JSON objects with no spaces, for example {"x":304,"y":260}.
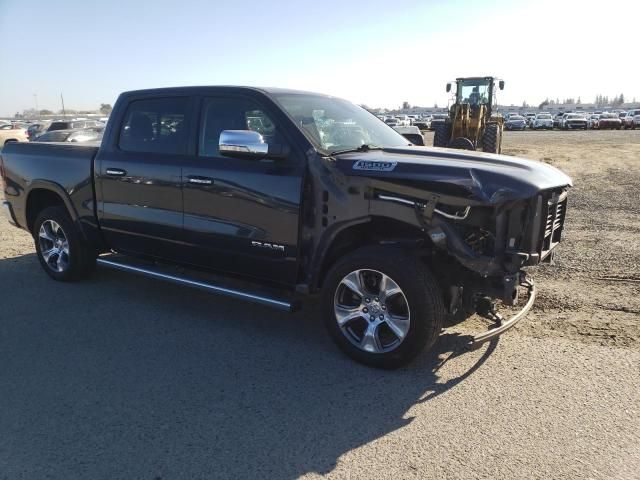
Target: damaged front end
{"x":479,"y":251}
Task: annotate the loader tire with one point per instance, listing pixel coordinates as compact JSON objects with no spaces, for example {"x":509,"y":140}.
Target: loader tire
{"x":441,"y":134}
{"x":492,"y":138}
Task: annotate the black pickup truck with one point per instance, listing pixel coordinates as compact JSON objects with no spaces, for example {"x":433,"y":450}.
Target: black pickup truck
{"x":282,"y":194}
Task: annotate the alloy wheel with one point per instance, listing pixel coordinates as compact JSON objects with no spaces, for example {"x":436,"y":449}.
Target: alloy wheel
{"x":54,"y":246}
{"x":372,"y":311}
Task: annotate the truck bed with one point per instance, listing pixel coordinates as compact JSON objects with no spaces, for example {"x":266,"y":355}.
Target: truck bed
{"x":65,"y":169}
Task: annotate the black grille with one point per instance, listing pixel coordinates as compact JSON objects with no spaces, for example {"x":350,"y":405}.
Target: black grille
{"x":556,"y":212}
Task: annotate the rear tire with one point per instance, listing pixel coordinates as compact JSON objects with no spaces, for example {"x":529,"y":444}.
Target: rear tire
{"x":492,"y":138}
{"x":413,"y":305}
{"x":441,"y":135}
{"x":61,"y":250}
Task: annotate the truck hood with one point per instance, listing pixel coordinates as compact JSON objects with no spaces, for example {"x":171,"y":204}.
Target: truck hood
{"x":483,"y":177}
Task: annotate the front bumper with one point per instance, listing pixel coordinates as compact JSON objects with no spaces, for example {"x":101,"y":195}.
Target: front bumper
{"x":501,"y":324}
{"x":8,"y":211}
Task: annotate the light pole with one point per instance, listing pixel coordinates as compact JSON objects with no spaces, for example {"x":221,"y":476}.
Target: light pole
{"x":35,"y":96}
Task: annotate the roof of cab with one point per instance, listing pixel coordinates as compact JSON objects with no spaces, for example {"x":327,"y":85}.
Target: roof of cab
{"x":204,"y":89}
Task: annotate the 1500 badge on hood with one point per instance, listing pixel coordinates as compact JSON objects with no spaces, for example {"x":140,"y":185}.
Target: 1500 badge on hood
{"x":374,"y":166}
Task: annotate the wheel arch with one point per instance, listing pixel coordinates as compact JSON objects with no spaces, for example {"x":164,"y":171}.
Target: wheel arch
{"x":357,"y":234}
{"x":43,"y":194}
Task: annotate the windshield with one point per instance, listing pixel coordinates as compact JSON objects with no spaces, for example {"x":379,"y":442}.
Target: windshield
{"x":574,"y":116}
{"x":332,"y":124}
{"x":544,"y":117}
{"x":515,"y":117}
{"x":473,"y":91}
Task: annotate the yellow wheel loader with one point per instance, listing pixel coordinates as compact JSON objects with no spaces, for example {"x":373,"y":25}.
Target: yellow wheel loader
{"x":472,"y":123}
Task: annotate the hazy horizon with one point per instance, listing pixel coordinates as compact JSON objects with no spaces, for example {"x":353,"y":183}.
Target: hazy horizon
{"x":372,"y":53}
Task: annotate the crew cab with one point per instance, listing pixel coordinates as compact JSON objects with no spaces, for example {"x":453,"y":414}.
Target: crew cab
{"x":273,"y":196}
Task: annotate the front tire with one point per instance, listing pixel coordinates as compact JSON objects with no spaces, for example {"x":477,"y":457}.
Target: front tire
{"x":492,"y":138}
{"x":382,"y":307}
{"x":441,"y":135}
{"x":61,"y":250}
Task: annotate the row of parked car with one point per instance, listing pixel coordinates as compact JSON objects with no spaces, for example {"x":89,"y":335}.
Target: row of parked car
{"x":74,"y":130}
{"x":423,"y":122}
{"x":574,"y":120}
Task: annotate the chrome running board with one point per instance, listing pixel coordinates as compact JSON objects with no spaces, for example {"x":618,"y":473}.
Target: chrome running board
{"x":209,"y":287}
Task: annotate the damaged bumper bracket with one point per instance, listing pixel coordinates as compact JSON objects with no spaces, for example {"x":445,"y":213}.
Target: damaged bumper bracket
{"x":504,"y":325}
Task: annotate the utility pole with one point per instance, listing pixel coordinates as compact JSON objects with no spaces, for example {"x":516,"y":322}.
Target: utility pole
{"x":35,"y":96}
{"x":64,"y":114}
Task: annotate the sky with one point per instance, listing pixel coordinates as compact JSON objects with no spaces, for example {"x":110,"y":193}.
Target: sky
{"x":378,"y":53}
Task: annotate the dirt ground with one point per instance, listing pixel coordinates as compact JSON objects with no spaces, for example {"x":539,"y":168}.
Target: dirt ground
{"x":592,"y":292}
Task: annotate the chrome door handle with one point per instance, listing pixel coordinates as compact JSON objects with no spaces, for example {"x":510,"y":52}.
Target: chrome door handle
{"x":201,"y":180}
{"x":115,"y":172}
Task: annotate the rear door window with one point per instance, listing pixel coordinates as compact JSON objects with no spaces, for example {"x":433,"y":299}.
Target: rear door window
{"x":157,"y":125}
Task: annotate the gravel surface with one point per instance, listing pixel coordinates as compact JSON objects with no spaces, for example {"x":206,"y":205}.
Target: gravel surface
{"x":124,"y":377}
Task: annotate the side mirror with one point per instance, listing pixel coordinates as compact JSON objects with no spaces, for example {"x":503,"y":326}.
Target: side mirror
{"x":501,"y":84}
{"x":242,"y":144}
{"x":448,"y":87}
{"x":249,"y":144}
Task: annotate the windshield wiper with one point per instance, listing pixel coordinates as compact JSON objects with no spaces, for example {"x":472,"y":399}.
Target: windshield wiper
{"x":362,"y":148}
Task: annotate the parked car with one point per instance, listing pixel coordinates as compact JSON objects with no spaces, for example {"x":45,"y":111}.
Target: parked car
{"x":403,"y":120}
{"x":392,"y":121}
{"x":632,"y":119}
{"x":78,"y":135}
{"x":542,"y":121}
{"x":412,"y":134}
{"x":515,"y":122}
{"x":593,"y":120}
{"x":530,"y":117}
{"x":438,"y":118}
{"x":424,"y":122}
{"x":14,"y":126}
{"x":383,"y":232}
{"x":574,"y":121}
{"x":8,"y":135}
{"x":609,"y":121}
{"x":36,"y":129}
{"x":557,"y":120}
{"x":72,"y":124}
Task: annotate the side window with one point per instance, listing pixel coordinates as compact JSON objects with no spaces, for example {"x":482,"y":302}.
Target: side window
{"x":155,"y":126}
{"x":232,"y":114}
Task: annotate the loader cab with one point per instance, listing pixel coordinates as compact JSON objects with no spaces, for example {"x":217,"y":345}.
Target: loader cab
{"x":476,"y":91}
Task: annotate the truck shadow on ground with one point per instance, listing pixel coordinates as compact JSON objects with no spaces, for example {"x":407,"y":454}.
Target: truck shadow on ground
{"x":126,"y":377}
